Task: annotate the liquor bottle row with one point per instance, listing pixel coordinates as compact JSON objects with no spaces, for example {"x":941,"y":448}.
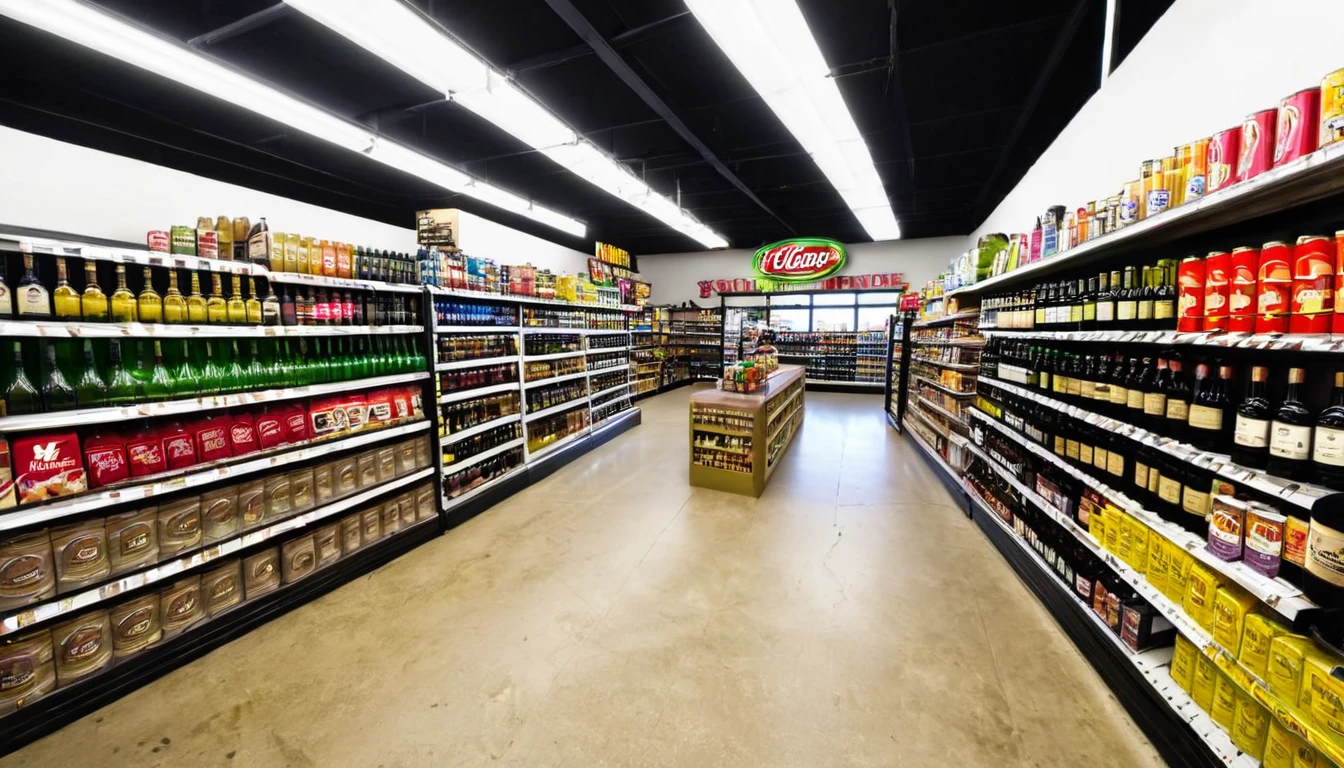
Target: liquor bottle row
{"x":137,"y":298}
{"x":549,"y":369}
{"x":460,"y":313}
{"x":49,"y":465}
{"x":601,"y":381}
{"x":716,"y":459}
{"x":549,"y":430}
{"x":477,"y":346}
{"x":719,"y":442}
{"x":78,"y":555}
{"x":608,"y":341}
{"x":599,"y":361}
{"x":551,"y":344}
{"x":1276,"y":430}
{"x":1129,"y":299}
{"x":545,"y":317}
{"x":457,"y":483}
{"x":609,"y":406}
{"x":736,"y":421}
{"x":239,"y":240}
{"x":161,"y":370}
{"x":93,"y":642}
{"x":461,"y":450}
{"x":472,"y":378}
{"x":831,"y":369}
{"x":466,"y":414}
{"x":1081,"y":570}
{"x":540,"y":398}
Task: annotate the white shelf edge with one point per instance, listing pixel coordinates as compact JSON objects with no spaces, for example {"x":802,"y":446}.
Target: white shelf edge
{"x":484,"y":426}
{"x":500,"y":329}
{"x":608,"y":390}
{"x":449,"y":503}
{"x":552,"y":356}
{"x":460,"y":364}
{"x":554,"y":379}
{"x":556,"y":448}
{"x":74,"y":329}
{"x":458,"y":466}
{"x":472,"y":394}
{"x":565,"y":406}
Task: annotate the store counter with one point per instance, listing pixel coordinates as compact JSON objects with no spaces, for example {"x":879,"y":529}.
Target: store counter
{"x":738,"y":439}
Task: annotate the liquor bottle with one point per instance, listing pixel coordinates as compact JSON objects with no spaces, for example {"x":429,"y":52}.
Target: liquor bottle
{"x":1126,"y":302}
{"x":224,"y":228}
{"x":251,"y":304}
{"x":276,"y":260}
{"x":1155,"y":398}
{"x":197,"y":314}
{"x":235,"y":307}
{"x":254,"y":375}
{"x":159,"y":385}
{"x":1038,"y":309}
{"x":65,"y":299}
{"x":1327,"y":456}
{"x":259,"y":244}
{"x":212,"y":375}
{"x":1210,"y":403}
{"x":57,"y":395}
{"x":270,"y":307}
{"x":21,"y":397}
{"x":288,"y":311}
{"x":148,"y":304}
{"x":1250,"y":436}
{"x":1178,"y":401}
{"x":186,"y":378}
{"x":1164,"y":305}
{"x":34,"y":301}
{"x":241,"y":228}
{"x":1147,"y":296}
{"x":216,"y":309}
{"x":233,"y":372}
{"x":122,"y":301}
{"x":1076,"y":291}
{"x":174,"y":304}
{"x":90,"y":391}
{"x":122,"y":389}
{"x":1090,"y":305}
{"x":6,"y":301}
{"x":1106,"y":285}
{"x":1290,"y":433}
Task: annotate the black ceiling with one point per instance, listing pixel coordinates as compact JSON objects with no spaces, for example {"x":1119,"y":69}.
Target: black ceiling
{"x":975,"y":92}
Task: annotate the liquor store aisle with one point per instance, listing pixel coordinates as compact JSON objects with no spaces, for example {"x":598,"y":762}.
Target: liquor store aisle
{"x":613,"y":615}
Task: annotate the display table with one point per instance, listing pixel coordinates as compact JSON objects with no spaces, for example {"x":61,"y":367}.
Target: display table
{"x":738,"y":439}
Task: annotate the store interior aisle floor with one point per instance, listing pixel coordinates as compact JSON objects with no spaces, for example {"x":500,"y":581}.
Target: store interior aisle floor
{"x":613,"y":615}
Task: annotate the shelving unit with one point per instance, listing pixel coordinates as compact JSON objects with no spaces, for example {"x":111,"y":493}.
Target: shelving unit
{"x":939,"y":377}
{"x":737,"y":439}
{"x":672,"y":347}
{"x":844,"y":359}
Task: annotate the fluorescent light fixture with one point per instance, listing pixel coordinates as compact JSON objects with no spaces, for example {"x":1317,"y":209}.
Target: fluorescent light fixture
{"x":87,"y":26}
{"x":769,"y":43}
{"x":406,"y":40}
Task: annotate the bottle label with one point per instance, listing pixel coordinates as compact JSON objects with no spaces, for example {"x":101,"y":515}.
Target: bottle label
{"x":1154,"y":403}
{"x":1102,"y":391}
{"x":1061,"y":384}
{"x":1115,"y":464}
{"x":1325,"y":553}
{"x":1154,"y":478}
{"x":1140,"y":474}
{"x":1089,"y":312}
{"x":1251,"y":433}
{"x":1329,"y":447}
{"x":1169,"y":490}
{"x":1044,"y":380}
{"x":1059,"y":445}
{"x":1295,"y":534}
{"x":1071,"y":449}
{"x":1289,"y":441}
{"x":1164,"y":309}
{"x":1088,"y":389}
{"x":1134,"y":400}
{"x":1178,"y":410}
{"x":1146,"y":309}
{"x":1124,"y":310}
{"x":1119,"y":395}
{"x":1085,"y":454}
{"x":1105,"y":311}
{"x":1076,"y":313}
{"x":1204,"y":417}
{"x":6,"y":303}
{"x":1195,"y":501}
{"x":1075,"y":387}
{"x":1040,"y":316}
{"x":1100,"y":457}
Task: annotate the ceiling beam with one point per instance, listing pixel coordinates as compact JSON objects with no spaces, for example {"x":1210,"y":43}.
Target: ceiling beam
{"x":1062,"y":40}
{"x":617,"y":64}
{"x":246,"y":24}
{"x":1019,"y":28}
{"x":627,"y":37}
{"x":896,"y":92}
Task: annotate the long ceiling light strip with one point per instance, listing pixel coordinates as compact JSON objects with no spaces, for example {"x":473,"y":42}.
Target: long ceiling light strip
{"x":770,"y":44}
{"x":87,"y":26}
{"x":399,"y":36}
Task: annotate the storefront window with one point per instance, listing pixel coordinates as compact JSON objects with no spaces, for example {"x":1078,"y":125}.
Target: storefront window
{"x":789,"y":319}
{"x":882,"y":297}
{"x":834,"y":300}
{"x":833,"y":318}
{"x":875,"y":318}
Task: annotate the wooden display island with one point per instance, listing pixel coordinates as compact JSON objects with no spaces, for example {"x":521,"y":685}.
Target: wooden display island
{"x":738,"y":439}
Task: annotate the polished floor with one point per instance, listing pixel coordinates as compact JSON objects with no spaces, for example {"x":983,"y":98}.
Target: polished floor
{"x":613,"y":615}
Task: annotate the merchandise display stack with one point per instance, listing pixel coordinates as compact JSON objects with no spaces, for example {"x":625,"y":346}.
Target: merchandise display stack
{"x":646,"y":354}
{"x":177,"y":467}
{"x":520,"y":380}
{"x":675,"y":346}
{"x":1158,"y":437}
{"x":940,"y":385}
{"x":852,"y":358}
{"x":899,"y":355}
{"x":739,"y":437}
{"x":694,"y":337}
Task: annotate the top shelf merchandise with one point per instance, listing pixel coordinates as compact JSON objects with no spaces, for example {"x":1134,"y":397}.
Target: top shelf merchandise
{"x":853,"y":357}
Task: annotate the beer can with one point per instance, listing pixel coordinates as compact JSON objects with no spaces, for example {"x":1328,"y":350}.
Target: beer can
{"x":1313,"y":285}
{"x":1216,"y":286}
{"x":1332,"y":108}
{"x":1241,"y":299}
{"x":1224,"y":149}
{"x":1296,"y":134}
{"x":207,"y":244}
{"x":1190,"y":295}
{"x":159,"y":241}
{"x":1257,"y":144}
{"x":1195,"y":157}
{"x":1274,"y":284}
{"x":1129,"y":203}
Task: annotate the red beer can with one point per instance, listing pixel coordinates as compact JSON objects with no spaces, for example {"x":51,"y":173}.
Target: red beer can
{"x":1298,"y":126}
{"x":1190,"y":294}
{"x":1216,"y":286}
{"x":1257,"y":144}
{"x":1337,"y":324}
{"x":1274,"y":279}
{"x":1313,"y":285}
{"x":1224,"y":149}
{"x":1241,"y":299}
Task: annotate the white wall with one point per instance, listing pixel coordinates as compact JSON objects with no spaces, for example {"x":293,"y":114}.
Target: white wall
{"x":675,"y":275}
{"x":1204,"y":66}
{"x":53,"y":185}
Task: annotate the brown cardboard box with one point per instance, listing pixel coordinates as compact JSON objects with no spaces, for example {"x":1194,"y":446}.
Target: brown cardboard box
{"x":181,"y":606}
{"x":27,"y":570}
{"x":261,"y":573}
{"x":26,"y":668}
{"x":83,"y":646}
{"x":80,"y":551}
{"x":179,"y":526}
{"x":222,"y":587}
{"x":135,"y":625}
{"x":298,"y":558}
{"x":133,"y":540}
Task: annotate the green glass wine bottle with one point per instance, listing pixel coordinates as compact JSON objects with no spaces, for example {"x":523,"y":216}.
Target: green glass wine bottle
{"x":57,"y":395}
{"x":254,"y":375}
{"x":122,"y":388}
{"x":211,"y":377}
{"x":21,"y":396}
{"x":233,"y":373}
{"x":160,"y":385}
{"x":90,"y":392}
{"x":186,"y":378}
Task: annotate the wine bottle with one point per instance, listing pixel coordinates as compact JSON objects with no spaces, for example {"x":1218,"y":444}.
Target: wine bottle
{"x":1327,"y":456}
{"x":1090,"y":305}
{"x":57,"y":395}
{"x":1290,"y":433}
{"x":159,"y":385}
{"x":174,"y":304}
{"x":216,"y":308}
{"x":270,"y":306}
{"x":1147,"y":296}
{"x":65,"y":298}
{"x":253,"y":305}
{"x":186,"y":378}
{"x":90,"y":392}
{"x":124,"y":309}
{"x":6,"y":301}
{"x":1118,"y":388}
{"x":1155,"y":397}
{"x":1106,"y":285}
{"x":1076,"y":301}
{"x":34,"y":300}
{"x":1250,"y":436}
{"x":1210,"y":403}
{"x":235,"y":308}
{"x":1126,"y":303}
{"x":148,"y":304}
{"x":121,"y":387}
{"x":21,"y":397}
{"x":1178,"y":401}
{"x":1164,"y":306}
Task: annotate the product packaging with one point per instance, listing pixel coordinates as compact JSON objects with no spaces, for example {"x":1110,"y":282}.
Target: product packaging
{"x":133,"y":540}
{"x":82,"y":646}
{"x":80,"y":551}
{"x":48,"y":466}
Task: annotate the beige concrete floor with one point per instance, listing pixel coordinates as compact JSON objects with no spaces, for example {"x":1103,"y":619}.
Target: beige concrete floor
{"x":612,"y":615}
